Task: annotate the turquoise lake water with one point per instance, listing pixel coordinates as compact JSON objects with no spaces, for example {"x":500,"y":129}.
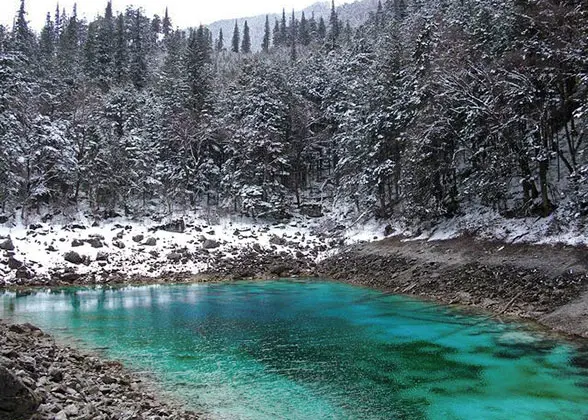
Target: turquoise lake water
{"x":318,"y":350}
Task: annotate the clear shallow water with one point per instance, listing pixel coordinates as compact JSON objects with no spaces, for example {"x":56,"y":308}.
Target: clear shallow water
{"x":319,"y":350}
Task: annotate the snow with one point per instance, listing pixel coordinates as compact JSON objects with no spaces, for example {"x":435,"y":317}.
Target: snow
{"x":151,"y":261}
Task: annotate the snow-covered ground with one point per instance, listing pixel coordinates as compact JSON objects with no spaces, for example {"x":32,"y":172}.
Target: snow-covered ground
{"x":152,"y":249}
{"x":149,"y":248}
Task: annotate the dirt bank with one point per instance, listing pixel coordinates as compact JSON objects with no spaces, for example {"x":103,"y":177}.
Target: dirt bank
{"x":544,"y":283}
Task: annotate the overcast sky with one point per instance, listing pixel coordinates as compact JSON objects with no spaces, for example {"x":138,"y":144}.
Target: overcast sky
{"x":184,"y":13}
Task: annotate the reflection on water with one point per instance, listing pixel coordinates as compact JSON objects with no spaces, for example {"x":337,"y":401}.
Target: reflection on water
{"x":319,"y":350}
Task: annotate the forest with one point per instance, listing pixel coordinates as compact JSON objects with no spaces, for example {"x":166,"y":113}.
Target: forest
{"x":426,"y":109}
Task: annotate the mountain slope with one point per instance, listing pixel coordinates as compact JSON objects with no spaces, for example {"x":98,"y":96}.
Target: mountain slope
{"x":356,"y":13}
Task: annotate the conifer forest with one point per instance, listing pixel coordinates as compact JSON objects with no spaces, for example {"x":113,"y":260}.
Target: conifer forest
{"x":423,"y":110}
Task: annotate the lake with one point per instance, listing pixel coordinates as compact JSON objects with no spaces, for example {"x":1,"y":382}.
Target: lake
{"x":318,"y":350}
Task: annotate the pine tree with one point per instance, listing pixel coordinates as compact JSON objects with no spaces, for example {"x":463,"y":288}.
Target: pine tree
{"x":293,"y":37}
{"x":138,"y":65}
{"x":399,"y":9}
{"x":24,"y":39}
{"x":303,"y":31}
{"x":379,"y":14}
{"x":334,"y":30}
{"x":322,"y":29}
{"x":283,"y":29}
{"x":220,"y":43}
{"x":2,"y":39}
{"x":47,"y":42}
{"x":265,"y":44}
{"x":235,"y":43}
{"x":120,"y":50}
{"x":105,"y":45}
{"x":68,"y":53}
{"x":197,"y":58}
{"x":276,"y":34}
{"x":246,"y":42}
{"x":166,"y":26}
{"x":312,"y":27}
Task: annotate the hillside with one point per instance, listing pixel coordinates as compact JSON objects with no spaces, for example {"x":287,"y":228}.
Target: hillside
{"x":356,"y":13}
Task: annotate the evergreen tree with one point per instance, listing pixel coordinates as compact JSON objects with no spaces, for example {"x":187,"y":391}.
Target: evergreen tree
{"x":2,"y":39}
{"x":105,"y":45}
{"x":322,"y":29}
{"x":293,"y":37}
{"x":47,"y":42}
{"x":138,"y":65}
{"x":276,"y":34}
{"x":166,"y":25}
{"x":303,"y":31}
{"x":283,"y":29}
{"x":220,"y":43}
{"x":312,"y":27}
{"x":334,"y":30}
{"x":399,"y":9}
{"x":235,"y":43}
{"x":24,"y":38}
{"x":68,"y":52}
{"x":198,"y":56}
{"x":246,"y":42}
{"x":265,"y":44}
{"x":120,"y":50}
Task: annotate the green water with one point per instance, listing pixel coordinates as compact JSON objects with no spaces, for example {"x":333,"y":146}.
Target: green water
{"x":319,"y":350}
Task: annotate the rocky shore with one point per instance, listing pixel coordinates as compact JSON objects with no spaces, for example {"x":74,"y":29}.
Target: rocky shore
{"x":40,"y":379}
{"x":544,"y":283}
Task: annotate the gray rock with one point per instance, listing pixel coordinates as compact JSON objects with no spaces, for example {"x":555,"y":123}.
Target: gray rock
{"x":7,"y":244}
{"x":16,"y":400}
{"x":119,"y":244}
{"x":24,"y":273}
{"x":95,"y":242}
{"x":210,"y":244}
{"x":102,"y":256}
{"x":73,"y":257}
{"x":174,"y":256}
{"x":150,"y":241}
{"x":76,"y":243}
{"x":138,"y":238}
{"x":55,"y":374}
{"x":276,"y":240}
{"x":13,"y":263}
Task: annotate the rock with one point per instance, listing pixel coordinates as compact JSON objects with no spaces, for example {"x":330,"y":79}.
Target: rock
{"x":35,"y":226}
{"x":14,"y":264}
{"x":102,"y":256}
{"x":51,"y":248}
{"x":151,"y":241}
{"x":119,"y":244}
{"x":311,"y":210}
{"x":257,"y":247}
{"x":7,"y":244}
{"x":174,"y":256}
{"x":138,"y":238}
{"x":69,"y":277}
{"x":60,"y":416}
{"x":388,"y":230}
{"x":76,"y":243}
{"x":210,"y":244}
{"x":95,"y":242}
{"x":176,"y":226}
{"x":16,"y":400}
{"x":73,"y":257}
{"x":23,"y":273}
{"x":276,"y":240}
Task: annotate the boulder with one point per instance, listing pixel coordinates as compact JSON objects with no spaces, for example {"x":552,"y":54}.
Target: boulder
{"x":95,"y":242}
{"x":73,"y":257}
{"x":76,"y":243}
{"x":174,"y":256}
{"x":13,"y":263}
{"x":102,"y":256}
{"x":119,"y":244}
{"x":151,"y":241}
{"x":311,"y":210}
{"x":276,"y":240}
{"x":7,"y":244}
{"x":16,"y":400}
{"x":210,"y":244}
{"x":138,"y":238}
